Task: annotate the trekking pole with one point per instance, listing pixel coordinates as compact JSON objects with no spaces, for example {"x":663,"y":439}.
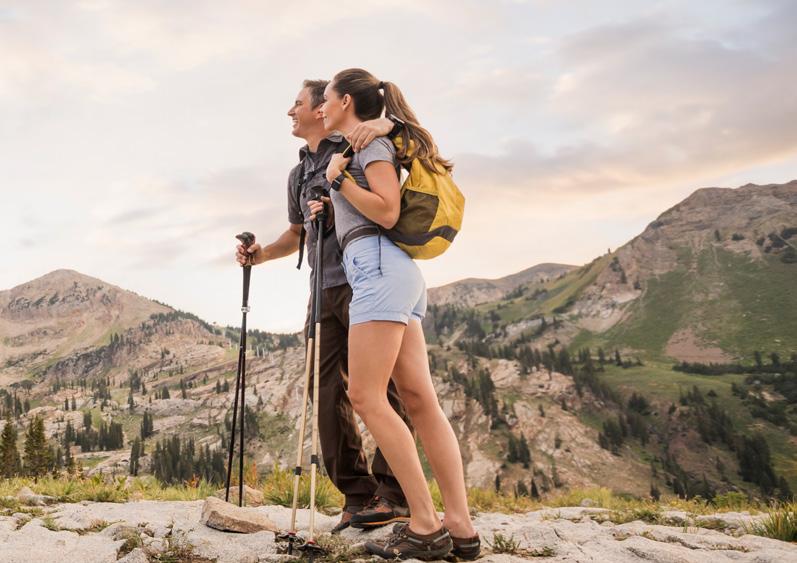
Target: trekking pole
{"x":290,"y":536}
{"x":247,"y":239}
{"x":311,"y":546}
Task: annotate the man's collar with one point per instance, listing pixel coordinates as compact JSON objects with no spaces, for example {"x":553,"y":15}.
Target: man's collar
{"x":334,"y":138}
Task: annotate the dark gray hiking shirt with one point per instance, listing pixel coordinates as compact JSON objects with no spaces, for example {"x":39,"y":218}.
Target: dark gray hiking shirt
{"x":310,"y":173}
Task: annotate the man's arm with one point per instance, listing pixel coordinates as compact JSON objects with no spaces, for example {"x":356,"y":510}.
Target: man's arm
{"x":285,"y":245}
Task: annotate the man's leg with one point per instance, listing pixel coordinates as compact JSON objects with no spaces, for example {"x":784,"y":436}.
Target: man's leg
{"x":388,"y":487}
{"x":341,"y":445}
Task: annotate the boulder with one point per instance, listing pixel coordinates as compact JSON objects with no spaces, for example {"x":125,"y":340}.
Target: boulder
{"x":28,"y":497}
{"x":136,"y":556}
{"x":252,"y":497}
{"x":228,"y":517}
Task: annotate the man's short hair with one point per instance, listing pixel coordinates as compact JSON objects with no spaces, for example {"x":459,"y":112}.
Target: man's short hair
{"x":317,"y":88}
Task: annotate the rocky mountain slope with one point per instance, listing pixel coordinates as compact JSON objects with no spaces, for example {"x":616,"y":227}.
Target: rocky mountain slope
{"x":60,"y":313}
{"x":554,"y":377}
{"x":473,"y":291}
{"x":709,"y":279}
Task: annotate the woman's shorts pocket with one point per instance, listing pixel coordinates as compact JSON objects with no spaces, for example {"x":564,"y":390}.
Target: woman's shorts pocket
{"x":366,"y":266}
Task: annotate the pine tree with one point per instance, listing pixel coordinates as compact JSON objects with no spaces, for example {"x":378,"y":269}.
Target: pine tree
{"x":523,"y":454}
{"x":535,"y":492}
{"x":784,"y":490}
{"x":9,"y":455}
{"x":135,"y":454}
{"x":87,"y":420}
{"x":74,"y":406}
{"x":512,"y":454}
{"x":557,"y":482}
{"x":131,"y":403}
{"x":147,"y":427}
{"x":66,"y":404}
{"x":37,"y":454}
{"x":69,"y":461}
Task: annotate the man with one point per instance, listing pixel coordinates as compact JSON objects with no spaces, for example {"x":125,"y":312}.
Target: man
{"x":371,"y":500}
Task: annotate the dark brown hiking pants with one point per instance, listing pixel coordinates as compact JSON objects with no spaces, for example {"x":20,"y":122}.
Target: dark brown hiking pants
{"x":341,"y":444}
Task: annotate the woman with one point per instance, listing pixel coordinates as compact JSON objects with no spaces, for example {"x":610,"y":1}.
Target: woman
{"x":385,"y":335}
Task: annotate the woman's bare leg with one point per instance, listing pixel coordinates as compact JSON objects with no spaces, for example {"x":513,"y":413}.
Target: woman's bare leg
{"x":373,"y":348}
{"x":414,"y":382}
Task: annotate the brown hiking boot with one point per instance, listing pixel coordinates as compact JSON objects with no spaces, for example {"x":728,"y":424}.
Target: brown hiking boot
{"x":378,"y":512}
{"x":466,"y":548}
{"x":403,"y":543}
{"x":345,"y":519}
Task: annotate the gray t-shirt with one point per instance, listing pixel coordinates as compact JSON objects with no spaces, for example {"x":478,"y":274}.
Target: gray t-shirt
{"x":347,"y":217}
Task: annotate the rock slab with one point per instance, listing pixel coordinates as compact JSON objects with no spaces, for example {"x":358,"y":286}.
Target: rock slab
{"x":560,"y":535}
{"x":227,"y":517}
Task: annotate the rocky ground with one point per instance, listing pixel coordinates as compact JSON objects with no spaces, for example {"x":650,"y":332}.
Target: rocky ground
{"x":145,"y":531}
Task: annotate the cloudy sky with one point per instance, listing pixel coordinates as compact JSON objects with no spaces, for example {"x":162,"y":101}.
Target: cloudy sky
{"x":137,"y":138}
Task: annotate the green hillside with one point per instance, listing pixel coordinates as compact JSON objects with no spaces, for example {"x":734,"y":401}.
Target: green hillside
{"x":727,"y":299}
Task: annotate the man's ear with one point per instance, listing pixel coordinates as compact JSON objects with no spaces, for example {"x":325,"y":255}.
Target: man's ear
{"x":317,"y":113}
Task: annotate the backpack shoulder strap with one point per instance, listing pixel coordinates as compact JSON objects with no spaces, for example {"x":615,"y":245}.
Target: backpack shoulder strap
{"x":298,"y":195}
{"x":302,"y":237}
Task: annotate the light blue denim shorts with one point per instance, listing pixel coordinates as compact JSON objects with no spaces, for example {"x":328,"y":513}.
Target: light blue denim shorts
{"x":386,"y":284}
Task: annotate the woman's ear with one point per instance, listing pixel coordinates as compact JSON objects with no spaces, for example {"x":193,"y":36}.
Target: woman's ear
{"x":345,"y":101}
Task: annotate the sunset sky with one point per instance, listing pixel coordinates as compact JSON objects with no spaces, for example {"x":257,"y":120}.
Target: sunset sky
{"x":137,"y":138}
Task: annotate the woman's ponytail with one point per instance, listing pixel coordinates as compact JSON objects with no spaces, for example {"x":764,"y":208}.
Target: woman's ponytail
{"x":424,"y":148}
{"x":364,"y":88}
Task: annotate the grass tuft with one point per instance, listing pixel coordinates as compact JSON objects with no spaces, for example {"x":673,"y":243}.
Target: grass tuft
{"x":780,"y":523}
{"x":278,"y":489}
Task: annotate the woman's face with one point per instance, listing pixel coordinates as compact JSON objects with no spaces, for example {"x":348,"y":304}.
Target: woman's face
{"x":333,"y":109}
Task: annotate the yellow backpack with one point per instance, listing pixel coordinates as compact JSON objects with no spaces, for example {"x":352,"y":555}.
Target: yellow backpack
{"x":432,"y":207}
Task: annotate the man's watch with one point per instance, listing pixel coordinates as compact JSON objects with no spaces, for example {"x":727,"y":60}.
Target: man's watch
{"x":398,"y":125}
{"x":335,"y":184}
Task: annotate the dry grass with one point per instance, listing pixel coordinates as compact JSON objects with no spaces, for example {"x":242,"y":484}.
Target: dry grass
{"x":277,"y":487}
{"x":780,"y":523}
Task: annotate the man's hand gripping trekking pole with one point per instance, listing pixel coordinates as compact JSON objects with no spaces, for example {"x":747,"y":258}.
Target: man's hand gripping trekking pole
{"x":246,"y":252}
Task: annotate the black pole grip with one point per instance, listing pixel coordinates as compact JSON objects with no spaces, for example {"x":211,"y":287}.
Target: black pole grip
{"x":247,"y":239}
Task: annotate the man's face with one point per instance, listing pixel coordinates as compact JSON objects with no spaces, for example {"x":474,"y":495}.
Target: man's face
{"x":303,"y":117}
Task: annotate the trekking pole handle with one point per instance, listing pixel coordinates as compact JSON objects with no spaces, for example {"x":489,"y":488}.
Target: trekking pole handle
{"x":247,"y":239}
{"x":318,"y":193}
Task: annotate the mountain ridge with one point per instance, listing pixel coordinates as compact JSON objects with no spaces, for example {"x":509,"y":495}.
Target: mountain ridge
{"x":513,"y":359}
